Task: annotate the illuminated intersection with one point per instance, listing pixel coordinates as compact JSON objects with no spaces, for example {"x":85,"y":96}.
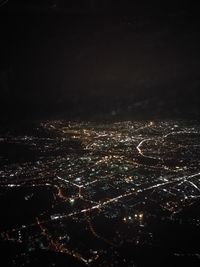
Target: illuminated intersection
{"x":93,"y":191}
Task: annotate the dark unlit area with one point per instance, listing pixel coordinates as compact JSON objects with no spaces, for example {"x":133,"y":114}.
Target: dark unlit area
{"x":74,"y":62}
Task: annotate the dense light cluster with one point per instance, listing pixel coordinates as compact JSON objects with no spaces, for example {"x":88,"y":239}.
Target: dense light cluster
{"x":91,"y":188}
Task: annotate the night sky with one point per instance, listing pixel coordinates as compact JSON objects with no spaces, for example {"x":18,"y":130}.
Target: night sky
{"x":77,"y":58}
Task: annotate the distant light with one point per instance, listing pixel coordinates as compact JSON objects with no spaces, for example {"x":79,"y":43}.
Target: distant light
{"x":141,"y":215}
{"x":72,"y":200}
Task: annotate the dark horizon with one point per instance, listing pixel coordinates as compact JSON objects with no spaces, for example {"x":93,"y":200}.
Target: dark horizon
{"x":53,"y":62}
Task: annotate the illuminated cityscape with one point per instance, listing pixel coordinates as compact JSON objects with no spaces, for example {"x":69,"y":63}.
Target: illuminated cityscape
{"x":99,"y":133}
{"x":89,"y":191}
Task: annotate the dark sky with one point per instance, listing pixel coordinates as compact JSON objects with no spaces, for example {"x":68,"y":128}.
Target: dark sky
{"x":71,"y":57}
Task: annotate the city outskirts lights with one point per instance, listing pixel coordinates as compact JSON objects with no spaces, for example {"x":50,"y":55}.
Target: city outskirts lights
{"x":129,"y":179}
{"x":137,"y":216}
